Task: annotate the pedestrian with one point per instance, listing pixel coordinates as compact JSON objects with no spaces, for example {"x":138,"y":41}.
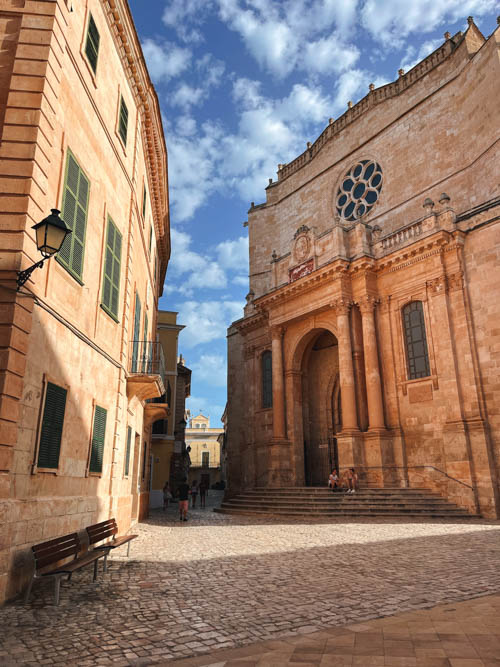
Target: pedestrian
{"x":183,"y":499}
{"x":333,"y":480}
{"x":166,"y":496}
{"x":194,"y":493}
{"x":203,"y":492}
{"x":352,"y":480}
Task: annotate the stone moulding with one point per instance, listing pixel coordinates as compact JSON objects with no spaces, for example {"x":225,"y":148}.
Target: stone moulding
{"x":374,"y":97}
{"x":127,"y":44}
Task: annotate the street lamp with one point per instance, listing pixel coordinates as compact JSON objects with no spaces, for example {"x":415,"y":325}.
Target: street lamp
{"x":50,"y":235}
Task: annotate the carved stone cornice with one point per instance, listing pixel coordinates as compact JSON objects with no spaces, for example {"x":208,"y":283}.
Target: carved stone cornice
{"x":127,"y":43}
{"x":437,"y":285}
{"x":257,"y":321}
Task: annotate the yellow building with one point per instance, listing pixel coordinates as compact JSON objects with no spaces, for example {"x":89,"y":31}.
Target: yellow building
{"x":168,"y":433}
{"x":205,"y":451}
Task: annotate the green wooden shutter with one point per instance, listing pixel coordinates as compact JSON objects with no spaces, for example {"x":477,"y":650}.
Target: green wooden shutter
{"x":74,"y":214}
{"x":52,"y":426}
{"x":123,"y":121}
{"x":137,"y":333}
{"x":144,"y":195}
{"x":127,"y":451}
{"x":98,"y":435}
{"x":112,"y":266}
{"x":150,"y":238}
{"x":92,"y":44}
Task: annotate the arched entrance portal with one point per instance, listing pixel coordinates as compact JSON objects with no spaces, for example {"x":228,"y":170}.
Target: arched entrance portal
{"x":321,"y":409}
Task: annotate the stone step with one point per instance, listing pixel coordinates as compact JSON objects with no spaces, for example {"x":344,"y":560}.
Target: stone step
{"x":320,"y":501}
{"x":346,"y":508}
{"x":348,"y":514}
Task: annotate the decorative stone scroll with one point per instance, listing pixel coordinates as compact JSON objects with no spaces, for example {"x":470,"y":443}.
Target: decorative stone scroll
{"x":301,"y":270}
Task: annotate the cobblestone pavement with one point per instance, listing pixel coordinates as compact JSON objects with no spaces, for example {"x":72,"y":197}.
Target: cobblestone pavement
{"x":220,"y":582}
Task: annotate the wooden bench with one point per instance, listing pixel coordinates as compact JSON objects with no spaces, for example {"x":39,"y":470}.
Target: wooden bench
{"x":101,"y":531}
{"x":49,"y":553}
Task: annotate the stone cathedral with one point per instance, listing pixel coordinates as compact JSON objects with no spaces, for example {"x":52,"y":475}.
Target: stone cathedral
{"x":371,"y":333}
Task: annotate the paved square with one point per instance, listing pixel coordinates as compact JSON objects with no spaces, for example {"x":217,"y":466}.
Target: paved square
{"x":221,"y":582}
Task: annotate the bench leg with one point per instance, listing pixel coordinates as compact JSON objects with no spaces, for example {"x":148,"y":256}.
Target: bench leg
{"x":105,"y":568}
{"x":57,"y":588}
{"x":96,"y":562}
{"x":128,"y":550}
{"x":28,"y":592}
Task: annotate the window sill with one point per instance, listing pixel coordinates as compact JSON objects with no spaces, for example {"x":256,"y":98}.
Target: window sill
{"x":410,"y":383}
{"x":71,"y":273}
{"x":109,"y":313}
{"x":46,"y":471}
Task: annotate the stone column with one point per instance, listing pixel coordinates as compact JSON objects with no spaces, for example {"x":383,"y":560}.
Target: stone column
{"x":346,"y":372}
{"x":372,"y":372}
{"x":278,"y":384}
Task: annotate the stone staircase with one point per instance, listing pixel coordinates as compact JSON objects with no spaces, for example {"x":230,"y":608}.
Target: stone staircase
{"x":320,"y":502}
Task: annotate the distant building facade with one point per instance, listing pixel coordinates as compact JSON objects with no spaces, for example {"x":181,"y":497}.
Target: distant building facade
{"x":205,"y":451}
{"x":81,"y":131}
{"x":168,"y":463}
{"x":370,"y":336}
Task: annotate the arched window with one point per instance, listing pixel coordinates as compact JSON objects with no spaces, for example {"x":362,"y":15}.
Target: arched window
{"x":417,"y":357}
{"x":267,"y":379}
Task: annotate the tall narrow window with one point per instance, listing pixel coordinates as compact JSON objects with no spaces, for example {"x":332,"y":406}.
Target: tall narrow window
{"x":112,"y":265}
{"x":98,"y":434}
{"x":123,"y":121}
{"x":144,"y":460}
{"x":52,"y":426}
{"x":155,"y":276}
{"x":137,"y":333}
{"x":144,"y":196}
{"x":267,"y":379}
{"x":150,"y":238}
{"x":127,"y":450}
{"x":205,"y":459}
{"x":74,"y":213}
{"x":92,"y":44}
{"x":417,"y":357}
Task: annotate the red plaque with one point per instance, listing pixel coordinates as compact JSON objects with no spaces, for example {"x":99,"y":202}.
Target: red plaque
{"x":301,"y":270}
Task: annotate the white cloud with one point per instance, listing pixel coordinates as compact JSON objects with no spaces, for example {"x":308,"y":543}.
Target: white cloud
{"x":233,"y":254}
{"x":210,"y":368}
{"x":207,"y":407}
{"x":184,"y":16}
{"x":275,"y":34}
{"x":202,"y":271}
{"x":207,"y":320}
{"x":241,"y":280}
{"x":390,"y":21}
{"x":165,"y":61}
{"x":186,"y":96}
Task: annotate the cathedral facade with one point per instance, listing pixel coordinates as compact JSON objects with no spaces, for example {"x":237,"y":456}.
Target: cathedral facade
{"x":371,"y":334}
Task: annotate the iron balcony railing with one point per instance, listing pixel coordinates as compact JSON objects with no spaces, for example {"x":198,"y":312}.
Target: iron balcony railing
{"x":146,"y":358}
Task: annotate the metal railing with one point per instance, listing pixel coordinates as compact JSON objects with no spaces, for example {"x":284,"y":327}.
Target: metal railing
{"x":146,"y":358}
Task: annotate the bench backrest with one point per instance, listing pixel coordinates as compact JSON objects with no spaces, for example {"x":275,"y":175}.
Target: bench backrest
{"x":56,"y":550}
{"x":100,"y":531}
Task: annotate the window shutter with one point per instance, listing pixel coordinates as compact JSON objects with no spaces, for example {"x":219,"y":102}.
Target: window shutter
{"x":150,"y":238}
{"x":267,"y":379}
{"x":144,"y":195}
{"x":74,"y":214}
{"x":127,"y":451}
{"x":123,"y":121}
{"x":52,"y":426}
{"x":98,"y":435}
{"x":137,"y":333}
{"x":92,"y":44}
{"x":112,"y":266}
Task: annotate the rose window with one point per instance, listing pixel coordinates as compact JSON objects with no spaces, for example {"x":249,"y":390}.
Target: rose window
{"x":359,"y":190}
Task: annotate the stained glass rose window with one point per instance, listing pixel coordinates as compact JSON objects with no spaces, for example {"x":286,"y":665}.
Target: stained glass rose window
{"x":359,"y":190}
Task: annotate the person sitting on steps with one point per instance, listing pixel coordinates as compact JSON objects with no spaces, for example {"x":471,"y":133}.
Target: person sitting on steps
{"x":352,"y":480}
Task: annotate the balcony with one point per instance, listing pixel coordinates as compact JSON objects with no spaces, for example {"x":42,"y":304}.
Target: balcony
{"x":146,"y":371}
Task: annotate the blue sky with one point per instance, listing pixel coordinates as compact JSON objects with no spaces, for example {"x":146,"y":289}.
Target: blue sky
{"x":243,"y":85}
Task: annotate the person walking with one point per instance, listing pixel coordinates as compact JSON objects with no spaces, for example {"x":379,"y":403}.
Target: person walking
{"x":166,"y":496}
{"x":194,"y":494}
{"x":183,"y":500}
{"x":203,"y":492}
